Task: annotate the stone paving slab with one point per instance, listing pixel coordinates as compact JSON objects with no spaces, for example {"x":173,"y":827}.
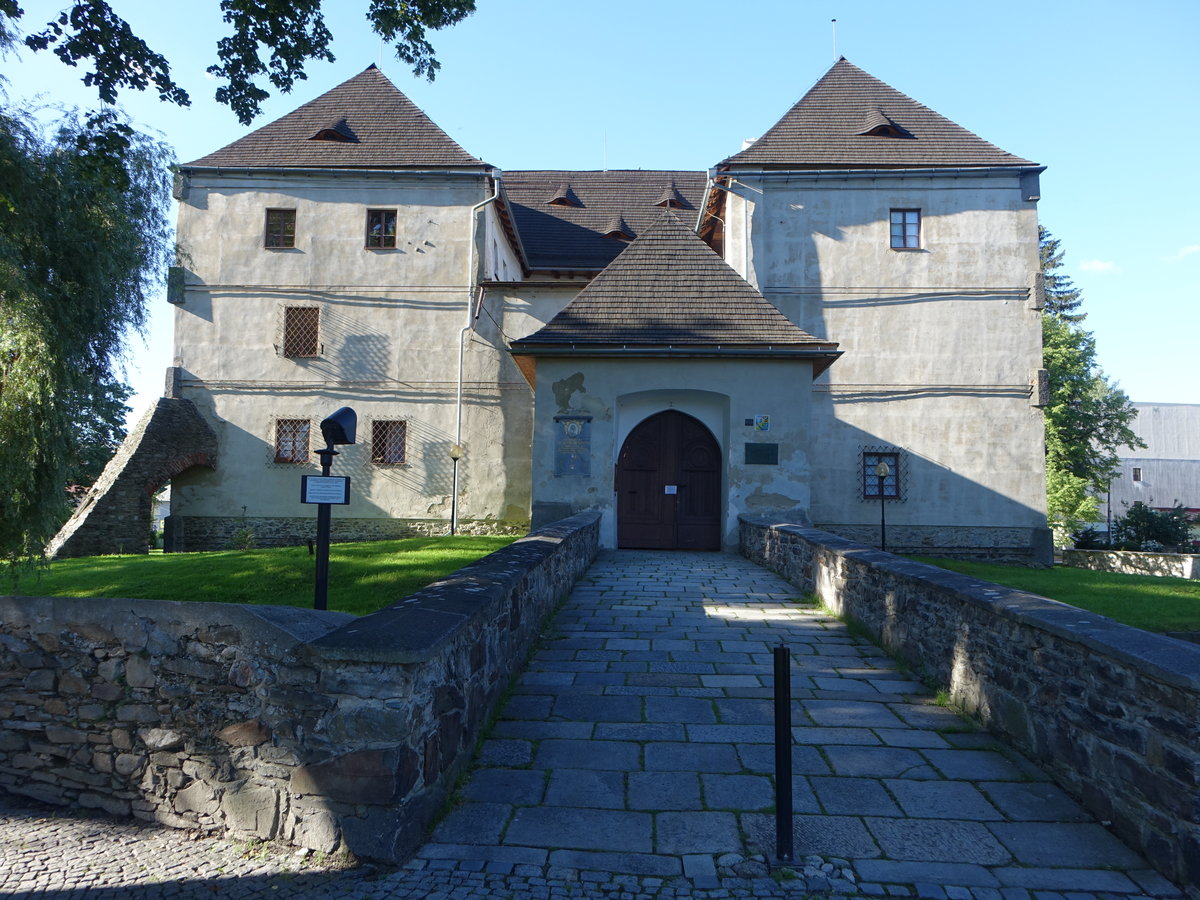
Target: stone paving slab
{"x":634,"y":760}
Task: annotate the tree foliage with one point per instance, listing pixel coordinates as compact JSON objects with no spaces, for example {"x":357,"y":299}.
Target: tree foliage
{"x":1088,"y":416}
{"x":84,"y":237}
{"x":1144,"y":528}
{"x":268,"y":38}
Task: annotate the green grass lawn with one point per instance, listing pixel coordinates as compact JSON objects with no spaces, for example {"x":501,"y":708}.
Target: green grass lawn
{"x":1144,"y":601}
{"x":362,"y":577}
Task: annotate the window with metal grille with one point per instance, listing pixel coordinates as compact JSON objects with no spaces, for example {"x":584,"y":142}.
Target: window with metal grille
{"x":906,"y":229}
{"x":281,"y":229}
{"x":381,"y":229}
{"x":301,"y":331}
{"x":876,"y":486}
{"x":291,"y":440}
{"x":388,"y":442}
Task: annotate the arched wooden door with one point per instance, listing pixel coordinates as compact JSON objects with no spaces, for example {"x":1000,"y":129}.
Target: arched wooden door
{"x":669,"y":486}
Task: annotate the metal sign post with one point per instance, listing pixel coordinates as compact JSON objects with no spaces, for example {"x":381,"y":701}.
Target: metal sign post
{"x":326,"y":491}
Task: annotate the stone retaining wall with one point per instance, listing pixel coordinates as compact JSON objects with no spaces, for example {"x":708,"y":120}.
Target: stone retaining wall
{"x":1111,"y":712}
{"x":1128,"y":562}
{"x":195,"y":533}
{"x":315,"y":728}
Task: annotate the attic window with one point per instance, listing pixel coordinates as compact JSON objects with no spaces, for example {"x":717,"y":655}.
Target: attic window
{"x":617,"y":230}
{"x":338,"y":132}
{"x":670,"y":197}
{"x":878,"y":124}
{"x":564,"y":196}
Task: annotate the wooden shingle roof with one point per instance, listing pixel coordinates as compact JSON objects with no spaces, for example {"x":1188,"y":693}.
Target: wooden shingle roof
{"x":365,"y":122}
{"x":669,"y":289}
{"x":563,"y":216}
{"x":836,"y":125}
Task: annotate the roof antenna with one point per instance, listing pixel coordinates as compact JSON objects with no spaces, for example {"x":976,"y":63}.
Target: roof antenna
{"x":833,"y":23}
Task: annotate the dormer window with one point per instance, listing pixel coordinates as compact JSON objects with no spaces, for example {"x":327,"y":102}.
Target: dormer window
{"x":879,"y":124}
{"x":338,"y":132}
{"x":670,"y":198}
{"x":618,"y":230}
{"x":564,"y":196}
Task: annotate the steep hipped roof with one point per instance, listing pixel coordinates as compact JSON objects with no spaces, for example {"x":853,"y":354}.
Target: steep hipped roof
{"x":362,"y":123}
{"x":833,"y":126}
{"x":570,"y":236}
{"x":668,"y":288}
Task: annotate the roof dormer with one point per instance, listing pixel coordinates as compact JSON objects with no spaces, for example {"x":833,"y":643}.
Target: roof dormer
{"x":338,"y":132}
{"x":879,"y":124}
{"x":564,"y":196}
{"x":618,"y":230}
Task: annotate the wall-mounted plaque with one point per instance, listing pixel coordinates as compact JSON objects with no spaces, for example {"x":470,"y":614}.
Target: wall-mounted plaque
{"x":762,"y":454}
{"x":572,"y":445}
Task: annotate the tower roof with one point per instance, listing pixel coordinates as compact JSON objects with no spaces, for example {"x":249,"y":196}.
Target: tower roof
{"x":668,"y":288}
{"x":850,"y":119}
{"x":365,"y":122}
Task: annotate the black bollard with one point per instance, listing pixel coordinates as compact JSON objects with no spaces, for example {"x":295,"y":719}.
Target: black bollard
{"x":783,"y":754}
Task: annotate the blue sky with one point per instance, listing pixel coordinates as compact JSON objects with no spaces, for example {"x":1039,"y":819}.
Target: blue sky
{"x":1103,"y":93}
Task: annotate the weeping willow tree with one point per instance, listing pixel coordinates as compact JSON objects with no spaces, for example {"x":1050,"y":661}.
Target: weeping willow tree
{"x":84,"y":238}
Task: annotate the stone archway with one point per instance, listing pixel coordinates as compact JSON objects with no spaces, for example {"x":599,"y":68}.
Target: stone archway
{"x":116,"y":514}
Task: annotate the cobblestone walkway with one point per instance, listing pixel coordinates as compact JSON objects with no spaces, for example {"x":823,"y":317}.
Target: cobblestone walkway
{"x":634,"y":760}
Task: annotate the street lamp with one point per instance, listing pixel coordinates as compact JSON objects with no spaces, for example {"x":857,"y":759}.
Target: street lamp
{"x":882,"y":471}
{"x":456,"y":453}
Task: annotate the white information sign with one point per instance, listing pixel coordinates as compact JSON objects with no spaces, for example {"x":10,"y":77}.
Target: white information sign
{"x":670,"y":489}
{"x":325,"y":489}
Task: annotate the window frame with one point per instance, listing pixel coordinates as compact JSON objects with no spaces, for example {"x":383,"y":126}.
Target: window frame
{"x":288,"y":341}
{"x":282,"y":234}
{"x":870,"y":481}
{"x":381,"y":242}
{"x":1136,"y":475}
{"x":378,"y":454}
{"x":289,"y":431}
{"x":904,"y":213}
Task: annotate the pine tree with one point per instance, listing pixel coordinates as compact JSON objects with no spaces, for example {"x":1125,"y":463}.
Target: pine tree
{"x":1062,"y":297}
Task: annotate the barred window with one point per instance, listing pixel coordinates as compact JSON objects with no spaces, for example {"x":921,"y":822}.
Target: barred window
{"x":280,"y":232}
{"x":381,"y":229}
{"x":388,"y":442}
{"x":301,"y":331}
{"x":291,"y":441}
{"x":906,"y":229}
{"x":875,"y":486}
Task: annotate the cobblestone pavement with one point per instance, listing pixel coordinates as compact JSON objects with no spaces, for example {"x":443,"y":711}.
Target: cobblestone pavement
{"x":634,"y":759}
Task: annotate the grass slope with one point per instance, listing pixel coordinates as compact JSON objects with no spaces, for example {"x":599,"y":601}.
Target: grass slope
{"x":362,"y":577}
{"x":1143,"y":601}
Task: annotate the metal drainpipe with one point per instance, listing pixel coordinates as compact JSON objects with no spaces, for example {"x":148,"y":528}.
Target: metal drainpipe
{"x":462,"y":335}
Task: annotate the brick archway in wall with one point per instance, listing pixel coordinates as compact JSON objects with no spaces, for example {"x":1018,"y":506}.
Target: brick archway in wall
{"x":117,"y":513}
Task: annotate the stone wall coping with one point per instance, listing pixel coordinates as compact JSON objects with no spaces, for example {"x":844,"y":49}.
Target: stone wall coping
{"x":135,"y":622}
{"x":1173,"y":661}
{"x":415,"y":628}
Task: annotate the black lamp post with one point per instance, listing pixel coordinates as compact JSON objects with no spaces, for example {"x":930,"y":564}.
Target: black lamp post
{"x":339,"y":428}
{"x":882,"y":471}
{"x":456,"y":453}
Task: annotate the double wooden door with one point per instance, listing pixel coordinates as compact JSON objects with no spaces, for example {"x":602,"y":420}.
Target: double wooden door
{"x":669,"y":485}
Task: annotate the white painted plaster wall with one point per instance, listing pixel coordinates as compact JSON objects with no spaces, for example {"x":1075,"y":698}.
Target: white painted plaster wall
{"x":721,"y":393}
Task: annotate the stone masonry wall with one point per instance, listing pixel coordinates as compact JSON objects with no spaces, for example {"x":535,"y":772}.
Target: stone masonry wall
{"x":1174,"y":565}
{"x":314,"y":728}
{"x":195,"y":533}
{"x":1111,"y":712}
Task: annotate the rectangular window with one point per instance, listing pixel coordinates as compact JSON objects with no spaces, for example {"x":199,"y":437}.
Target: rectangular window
{"x":906,"y":229}
{"x":388,"y":442}
{"x":381,"y":229}
{"x":301,"y":331}
{"x":877,"y":485}
{"x":281,"y":229}
{"x":291,"y":441}
{"x":1137,"y":473}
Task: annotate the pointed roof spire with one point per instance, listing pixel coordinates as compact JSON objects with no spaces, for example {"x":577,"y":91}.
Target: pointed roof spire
{"x":668,"y":288}
{"x":825,"y":130}
{"x":377,"y":127}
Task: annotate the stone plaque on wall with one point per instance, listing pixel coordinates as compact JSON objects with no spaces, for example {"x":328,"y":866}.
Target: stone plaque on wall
{"x":762,"y":454}
{"x":572,"y":445}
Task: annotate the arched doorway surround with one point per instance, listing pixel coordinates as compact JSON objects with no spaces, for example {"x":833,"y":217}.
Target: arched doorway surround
{"x":668,"y":485}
